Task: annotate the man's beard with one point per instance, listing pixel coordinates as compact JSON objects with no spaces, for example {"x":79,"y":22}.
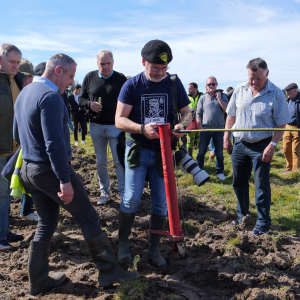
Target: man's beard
{"x":150,"y":78}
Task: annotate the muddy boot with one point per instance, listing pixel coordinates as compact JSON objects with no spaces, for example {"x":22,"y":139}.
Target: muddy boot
{"x":104,"y":258}
{"x":38,"y":268}
{"x":157,"y":222}
{"x":190,"y":152}
{"x":125,"y":225}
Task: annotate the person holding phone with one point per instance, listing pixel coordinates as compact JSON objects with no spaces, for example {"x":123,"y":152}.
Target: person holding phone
{"x":210,"y":114}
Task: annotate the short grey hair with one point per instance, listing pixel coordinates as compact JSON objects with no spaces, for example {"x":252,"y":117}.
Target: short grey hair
{"x":212,"y":77}
{"x":6,"y":48}
{"x":103,"y":52}
{"x":59,"y":59}
{"x":257,"y":63}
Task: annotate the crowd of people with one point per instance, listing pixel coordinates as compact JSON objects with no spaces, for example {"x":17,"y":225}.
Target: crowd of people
{"x":36,"y":114}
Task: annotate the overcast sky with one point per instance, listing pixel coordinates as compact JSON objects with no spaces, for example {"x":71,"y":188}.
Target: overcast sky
{"x":206,"y":37}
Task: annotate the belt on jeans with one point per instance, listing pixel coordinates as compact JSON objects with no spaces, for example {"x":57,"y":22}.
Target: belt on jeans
{"x":268,"y":138}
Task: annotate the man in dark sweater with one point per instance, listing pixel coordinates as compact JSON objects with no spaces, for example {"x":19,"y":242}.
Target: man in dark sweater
{"x":99,"y":93}
{"x":41,"y":125}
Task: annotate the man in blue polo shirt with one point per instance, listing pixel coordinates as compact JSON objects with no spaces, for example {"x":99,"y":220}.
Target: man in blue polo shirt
{"x":144,"y":103}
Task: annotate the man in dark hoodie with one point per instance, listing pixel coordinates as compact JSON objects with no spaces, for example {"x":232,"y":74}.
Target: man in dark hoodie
{"x":11,"y":83}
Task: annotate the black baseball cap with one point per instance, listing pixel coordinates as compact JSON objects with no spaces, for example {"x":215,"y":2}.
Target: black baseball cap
{"x":158,"y":52}
{"x":40,"y":68}
{"x":291,"y":86}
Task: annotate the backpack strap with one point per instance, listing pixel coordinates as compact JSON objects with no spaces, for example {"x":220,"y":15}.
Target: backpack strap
{"x":173,"y":86}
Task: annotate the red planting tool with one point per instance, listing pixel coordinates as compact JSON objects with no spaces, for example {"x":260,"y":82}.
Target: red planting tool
{"x":176,"y":236}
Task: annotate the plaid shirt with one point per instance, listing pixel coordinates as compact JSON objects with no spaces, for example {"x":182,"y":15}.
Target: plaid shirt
{"x":267,"y":109}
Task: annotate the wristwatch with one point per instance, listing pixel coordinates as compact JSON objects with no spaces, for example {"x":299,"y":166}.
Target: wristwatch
{"x":274,"y":144}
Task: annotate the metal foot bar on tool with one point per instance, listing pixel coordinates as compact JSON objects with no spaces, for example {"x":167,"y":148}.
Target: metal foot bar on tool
{"x":176,"y":236}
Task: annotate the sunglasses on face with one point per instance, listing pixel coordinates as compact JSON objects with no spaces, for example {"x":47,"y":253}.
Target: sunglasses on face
{"x":211,"y":84}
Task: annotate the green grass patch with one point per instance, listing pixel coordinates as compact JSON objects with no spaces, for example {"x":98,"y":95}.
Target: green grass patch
{"x":133,"y":289}
{"x":285,"y":187}
{"x":234,"y":241}
{"x":188,"y":226}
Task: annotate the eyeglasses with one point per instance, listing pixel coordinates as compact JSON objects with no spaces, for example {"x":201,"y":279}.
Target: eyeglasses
{"x":211,"y":84}
{"x":156,"y":69}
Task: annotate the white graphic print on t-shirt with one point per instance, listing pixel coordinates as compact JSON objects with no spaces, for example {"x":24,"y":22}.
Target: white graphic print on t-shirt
{"x":154,"y":108}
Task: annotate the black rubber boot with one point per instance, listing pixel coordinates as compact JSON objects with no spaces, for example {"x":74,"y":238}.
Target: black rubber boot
{"x":125,"y":225}
{"x":104,"y":258}
{"x":190,"y":152}
{"x":38,"y":268}
{"x":157,"y":222}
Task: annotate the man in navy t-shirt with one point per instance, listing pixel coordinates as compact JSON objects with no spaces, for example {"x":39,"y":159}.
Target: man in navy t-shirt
{"x":144,"y":103}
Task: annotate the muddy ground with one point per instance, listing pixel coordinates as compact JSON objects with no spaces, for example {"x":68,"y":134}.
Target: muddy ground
{"x":221,"y":262}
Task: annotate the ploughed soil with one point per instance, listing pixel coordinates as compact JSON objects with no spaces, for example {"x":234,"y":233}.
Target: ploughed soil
{"x":222,"y":261}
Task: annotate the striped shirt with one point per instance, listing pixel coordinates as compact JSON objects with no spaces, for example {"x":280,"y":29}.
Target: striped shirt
{"x":267,"y":109}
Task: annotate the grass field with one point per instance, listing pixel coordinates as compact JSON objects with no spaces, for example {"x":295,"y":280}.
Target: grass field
{"x":285,"y":206}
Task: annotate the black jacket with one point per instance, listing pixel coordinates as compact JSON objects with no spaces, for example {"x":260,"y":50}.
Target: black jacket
{"x":7,"y":111}
{"x":297,"y":107}
{"x":74,"y":106}
{"x":66,"y":101}
{"x":108,"y":89}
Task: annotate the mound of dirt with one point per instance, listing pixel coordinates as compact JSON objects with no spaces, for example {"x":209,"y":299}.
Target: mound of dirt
{"x":222,"y":261}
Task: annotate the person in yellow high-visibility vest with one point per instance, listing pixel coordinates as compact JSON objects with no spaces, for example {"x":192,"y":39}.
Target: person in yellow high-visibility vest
{"x":194,"y":95}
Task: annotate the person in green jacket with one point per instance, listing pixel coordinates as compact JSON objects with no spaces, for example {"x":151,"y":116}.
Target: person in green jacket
{"x":194,"y":95}
{"x":11,"y":83}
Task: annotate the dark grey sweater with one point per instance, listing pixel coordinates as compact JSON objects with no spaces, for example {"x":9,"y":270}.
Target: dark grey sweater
{"x":41,"y":126}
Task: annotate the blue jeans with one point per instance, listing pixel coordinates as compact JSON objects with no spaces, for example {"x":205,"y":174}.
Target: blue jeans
{"x":70,"y":124}
{"x":40,"y":181}
{"x":135,"y":180}
{"x":217,"y":138}
{"x":212,"y":146}
{"x":5,"y":200}
{"x":243,"y":156}
{"x":101,"y":135}
{"x":26,"y":205}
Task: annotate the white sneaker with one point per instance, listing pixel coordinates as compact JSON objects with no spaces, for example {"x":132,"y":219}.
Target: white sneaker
{"x":32,"y":216}
{"x":221,"y":176}
{"x":83,"y":142}
{"x":76,"y":143}
{"x":5,"y":245}
{"x":103,"y":199}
